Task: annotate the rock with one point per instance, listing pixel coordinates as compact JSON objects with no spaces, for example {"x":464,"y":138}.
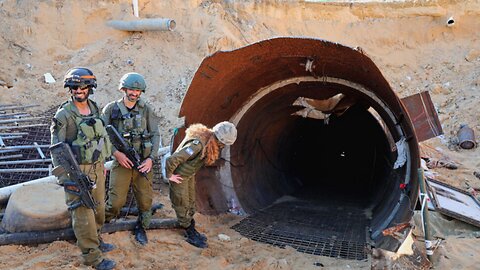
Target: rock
{"x":36,"y":207}
{"x":244,"y":240}
{"x":472,"y":55}
{"x":223,"y":237}
{"x":439,"y":89}
{"x":6,"y":83}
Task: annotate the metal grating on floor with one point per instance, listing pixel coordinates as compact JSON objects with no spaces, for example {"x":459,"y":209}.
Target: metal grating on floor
{"x":338,"y":232}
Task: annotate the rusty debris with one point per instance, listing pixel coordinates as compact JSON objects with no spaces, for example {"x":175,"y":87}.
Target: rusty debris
{"x":392,"y":230}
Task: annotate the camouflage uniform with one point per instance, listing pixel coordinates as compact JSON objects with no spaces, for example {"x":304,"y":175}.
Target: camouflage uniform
{"x":186,"y":161}
{"x":86,"y":224}
{"x":140,"y":128}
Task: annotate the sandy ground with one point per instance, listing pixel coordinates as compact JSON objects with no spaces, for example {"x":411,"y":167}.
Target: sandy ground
{"x":168,"y":250}
{"x":409,"y":42}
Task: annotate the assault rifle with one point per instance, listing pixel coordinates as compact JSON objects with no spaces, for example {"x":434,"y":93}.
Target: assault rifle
{"x":79,"y":184}
{"x":119,"y":142}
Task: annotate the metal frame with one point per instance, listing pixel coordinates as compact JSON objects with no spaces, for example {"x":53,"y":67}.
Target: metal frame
{"x":449,"y":212}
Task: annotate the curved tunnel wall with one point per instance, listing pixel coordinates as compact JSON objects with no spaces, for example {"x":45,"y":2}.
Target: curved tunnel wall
{"x":278,"y":154}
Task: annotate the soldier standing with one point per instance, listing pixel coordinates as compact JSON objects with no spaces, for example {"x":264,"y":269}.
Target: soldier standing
{"x":201,"y":146}
{"x":135,"y":121}
{"x":77,"y":122}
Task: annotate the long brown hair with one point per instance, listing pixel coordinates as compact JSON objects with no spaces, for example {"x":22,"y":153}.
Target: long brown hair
{"x":211,"y":149}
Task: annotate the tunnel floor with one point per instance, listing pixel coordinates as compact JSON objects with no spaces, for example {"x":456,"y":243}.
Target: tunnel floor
{"x":324,"y":227}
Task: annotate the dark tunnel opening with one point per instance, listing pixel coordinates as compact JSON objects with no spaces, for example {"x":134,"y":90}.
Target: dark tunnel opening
{"x":334,"y":178}
{"x":345,"y":159}
{"x":335,"y":169}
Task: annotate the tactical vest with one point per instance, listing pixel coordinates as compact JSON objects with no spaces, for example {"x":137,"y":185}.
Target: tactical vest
{"x":133,"y":129}
{"x":192,"y":165}
{"x":92,"y":143}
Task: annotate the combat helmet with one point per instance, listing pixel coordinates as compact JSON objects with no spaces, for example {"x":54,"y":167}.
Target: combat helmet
{"x":132,"y":81}
{"x":80,"y":77}
{"x":225,"y":132}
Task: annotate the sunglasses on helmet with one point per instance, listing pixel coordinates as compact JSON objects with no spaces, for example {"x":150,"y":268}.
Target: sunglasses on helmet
{"x":76,"y":87}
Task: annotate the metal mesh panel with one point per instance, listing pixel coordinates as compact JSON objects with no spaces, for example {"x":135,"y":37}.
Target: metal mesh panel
{"x":37,"y":134}
{"x":338,"y":232}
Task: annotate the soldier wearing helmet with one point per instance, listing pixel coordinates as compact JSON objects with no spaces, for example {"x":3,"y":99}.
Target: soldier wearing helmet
{"x":136,"y":122}
{"x":201,"y":146}
{"x":77,"y":122}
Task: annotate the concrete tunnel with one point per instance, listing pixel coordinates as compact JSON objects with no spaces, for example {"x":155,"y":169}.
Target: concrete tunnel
{"x":365,"y":156}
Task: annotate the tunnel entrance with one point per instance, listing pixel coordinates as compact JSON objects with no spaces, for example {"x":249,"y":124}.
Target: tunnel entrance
{"x":335,"y":170}
{"x":341,"y":178}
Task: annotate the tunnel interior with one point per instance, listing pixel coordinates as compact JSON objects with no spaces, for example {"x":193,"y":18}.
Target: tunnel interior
{"x":346,"y":158}
{"x":339,"y":175}
{"x":337,"y":168}
{"x":338,"y":159}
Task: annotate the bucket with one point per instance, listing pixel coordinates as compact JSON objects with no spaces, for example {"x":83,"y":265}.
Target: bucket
{"x":466,"y":137}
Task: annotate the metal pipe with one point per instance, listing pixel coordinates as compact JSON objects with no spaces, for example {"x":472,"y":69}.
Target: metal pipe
{"x":14,"y":133}
{"x":14,"y":107}
{"x":11,"y":137}
{"x":12,"y":156}
{"x":425,"y":218}
{"x":26,"y":126}
{"x":20,"y":120}
{"x":40,"y":152}
{"x":8,"y":151}
{"x":2,"y":138}
{"x":450,"y":21}
{"x":28,"y":238}
{"x":13,"y":104}
{"x":158,"y":24}
{"x":24,"y":170}
{"x":13,"y":147}
{"x":18,"y":114}
{"x":25,"y":161}
{"x":134,"y":210}
{"x":5,"y":192}
{"x":135,"y":8}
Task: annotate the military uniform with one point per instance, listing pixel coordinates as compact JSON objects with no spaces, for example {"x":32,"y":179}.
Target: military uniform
{"x":84,"y":134}
{"x":140,"y":129}
{"x":186,"y":161}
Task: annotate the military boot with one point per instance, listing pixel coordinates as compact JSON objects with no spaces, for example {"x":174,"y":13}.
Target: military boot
{"x":193,"y":238}
{"x":105,"y":264}
{"x":140,"y":234}
{"x":105,"y":247}
{"x":200,"y":235}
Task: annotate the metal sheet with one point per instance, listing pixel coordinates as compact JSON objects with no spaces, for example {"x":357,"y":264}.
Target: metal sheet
{"x":423,"y":115}
{"x":226,"y":80}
